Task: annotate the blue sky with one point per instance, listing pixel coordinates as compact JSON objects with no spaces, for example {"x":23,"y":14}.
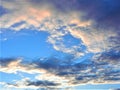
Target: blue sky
{"x":60,"y":45}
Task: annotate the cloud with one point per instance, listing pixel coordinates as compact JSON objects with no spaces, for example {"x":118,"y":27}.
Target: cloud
{"x":42,"y":83}
{"x":40,"y":18}
{"x":3,"y":11}
{"x":115,"y":89}
{"x":94,"y":23}
{"x":96,"y":40}
{"x":17,"y":65}
{"x":74,"y":17}
{"x":103,"y":13}
{"x":111,"y":56}
{"x":58,"y":73}
{"x":25,"y":83}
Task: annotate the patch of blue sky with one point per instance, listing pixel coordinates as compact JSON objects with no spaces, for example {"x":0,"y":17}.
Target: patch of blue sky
{"x":13,"y":77}
{"x":9,"y":77}
{"x":26,"y":43}
{"x":71,"y":41}
{"x":97,"y":87}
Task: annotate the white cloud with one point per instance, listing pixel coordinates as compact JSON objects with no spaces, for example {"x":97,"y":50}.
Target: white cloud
{"x":95,"y":40}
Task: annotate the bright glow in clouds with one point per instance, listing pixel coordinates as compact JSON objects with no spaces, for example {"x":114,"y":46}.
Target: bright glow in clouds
{"x":94,"y":58}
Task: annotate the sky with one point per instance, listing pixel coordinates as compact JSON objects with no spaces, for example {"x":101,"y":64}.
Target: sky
{"x":59,"y":45}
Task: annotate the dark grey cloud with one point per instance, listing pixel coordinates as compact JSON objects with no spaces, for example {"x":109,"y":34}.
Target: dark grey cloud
{"x":41,"y":83}
{"x":54,"y":63}
{"x":38,"y":84}
{"x":105,"y":13}
{"x":3,"y":11}
{"x":116,"y":89}
{"x":111,"y":56}
{"x":112,"y":79}
{"x":82,"y":72}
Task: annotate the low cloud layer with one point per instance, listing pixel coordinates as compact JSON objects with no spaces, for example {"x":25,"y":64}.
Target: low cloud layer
{"x":53,"y":73}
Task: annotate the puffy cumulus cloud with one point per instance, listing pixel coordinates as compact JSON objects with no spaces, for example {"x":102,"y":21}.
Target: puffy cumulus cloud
{"x":56,"y":73}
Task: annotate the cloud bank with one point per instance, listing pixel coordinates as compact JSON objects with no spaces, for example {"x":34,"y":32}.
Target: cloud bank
{"x":94,"y":23}
{"x":56,"y":73}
